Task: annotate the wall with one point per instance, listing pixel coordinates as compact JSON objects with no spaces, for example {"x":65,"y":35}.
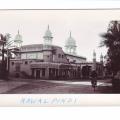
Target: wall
{"x":75,"y":59}
{"x":24,"y":67}
{"x":47,"y":56}
{"x":59,"y":56}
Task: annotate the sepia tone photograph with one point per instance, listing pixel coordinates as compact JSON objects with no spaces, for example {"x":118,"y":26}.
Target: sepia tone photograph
{"x":60,"y":51}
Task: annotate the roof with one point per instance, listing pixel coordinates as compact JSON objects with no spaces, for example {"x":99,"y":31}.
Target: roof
{"x":75,"y":56}
{"x":38,"y":45}
{"x":32,"y":45}
{"x":70,"y":41}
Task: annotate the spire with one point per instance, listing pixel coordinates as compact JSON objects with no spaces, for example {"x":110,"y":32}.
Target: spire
{"x":94,"y":60}
{"x":70,"y":34}
{"x":18,"y":31}
{"x":48,"y":26}
{"x":48,"y":36}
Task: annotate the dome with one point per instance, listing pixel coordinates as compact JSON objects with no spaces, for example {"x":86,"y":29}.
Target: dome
{"x":48,"y":33}
{"x":70,"y":41}
{"x":18,"y":38}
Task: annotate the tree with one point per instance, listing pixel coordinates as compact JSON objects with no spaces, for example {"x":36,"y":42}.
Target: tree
{"x":6,"y":50}
{"x":2,"y":44}
{"x":111,"y":39}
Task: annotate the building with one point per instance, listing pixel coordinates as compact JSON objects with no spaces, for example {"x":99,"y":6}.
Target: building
{"x":47,"y":61}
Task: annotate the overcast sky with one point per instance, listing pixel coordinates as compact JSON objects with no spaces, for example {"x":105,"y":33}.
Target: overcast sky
{"x":85,"y":25}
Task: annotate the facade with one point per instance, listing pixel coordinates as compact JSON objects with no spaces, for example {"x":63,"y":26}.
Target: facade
{"x":47,"y":61}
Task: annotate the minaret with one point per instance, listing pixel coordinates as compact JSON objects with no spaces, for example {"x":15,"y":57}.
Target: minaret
{"x":18,"y":40}
{"x":94,"y":60}
{"x":101,"y":58}
{"x":94,"y":56}
{"x":48,"y":37}
{"x":102,"y":66}
{"x":18,"y":43}
{"x":70,"y":34}
{"x":70,"y":45}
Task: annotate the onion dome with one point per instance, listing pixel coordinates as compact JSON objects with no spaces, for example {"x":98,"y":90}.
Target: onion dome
{"x":48,"y":33}
{"x":18,"y":38}
{"x":70,"y":41}
{"x":70,"y":45}
{"x":48,"y":36}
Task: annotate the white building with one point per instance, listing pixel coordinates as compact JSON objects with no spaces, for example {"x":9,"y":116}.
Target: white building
{"x":47,"y":61}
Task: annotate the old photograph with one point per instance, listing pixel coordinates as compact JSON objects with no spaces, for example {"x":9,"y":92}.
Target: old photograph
{"x":60,"y":51}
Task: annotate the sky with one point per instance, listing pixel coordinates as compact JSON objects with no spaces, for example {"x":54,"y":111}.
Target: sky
{"x":85,"y":26}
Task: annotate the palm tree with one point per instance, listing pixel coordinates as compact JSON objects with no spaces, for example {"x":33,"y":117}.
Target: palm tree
{"x":6,"y":45}
{"x":111,"y":39}
{"x":2,"y":44}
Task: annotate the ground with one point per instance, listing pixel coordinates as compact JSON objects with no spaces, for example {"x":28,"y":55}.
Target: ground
{"x":25,"y":86}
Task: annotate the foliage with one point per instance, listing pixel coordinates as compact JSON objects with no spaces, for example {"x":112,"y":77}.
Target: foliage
{"x":111,"y":39}
{"x":5,"y":53}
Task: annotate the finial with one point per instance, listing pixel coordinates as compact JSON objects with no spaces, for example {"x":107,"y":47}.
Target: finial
{"x":48,"y":26}
{"x":70,"y":33}
{"x":18,"y":31}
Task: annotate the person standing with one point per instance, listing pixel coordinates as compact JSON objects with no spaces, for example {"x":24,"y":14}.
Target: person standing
{"x":94,"y":79}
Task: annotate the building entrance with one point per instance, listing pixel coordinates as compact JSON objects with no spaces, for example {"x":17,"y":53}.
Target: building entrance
{"x":37,"y":74}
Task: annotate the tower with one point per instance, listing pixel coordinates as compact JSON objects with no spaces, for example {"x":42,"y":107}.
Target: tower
{"x":102,"y":72}
{"x":48,"y":37}
{"x":94,"y":60}
{"x":47,"y":46}
{"x":18,"y":40}
{"x":94,"y":56}
{"x":101,"y":58}
{"x":70,"y":45}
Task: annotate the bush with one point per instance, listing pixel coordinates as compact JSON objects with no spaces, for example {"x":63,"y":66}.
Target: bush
{"x":116,"y":81}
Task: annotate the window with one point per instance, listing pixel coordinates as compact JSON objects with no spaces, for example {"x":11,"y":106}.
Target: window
{"x":12,"y":63}
{"x":59,"y":55}
{"x":26,"y":62}
{"x":74,"y":61}
{"x":62,"y":56}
